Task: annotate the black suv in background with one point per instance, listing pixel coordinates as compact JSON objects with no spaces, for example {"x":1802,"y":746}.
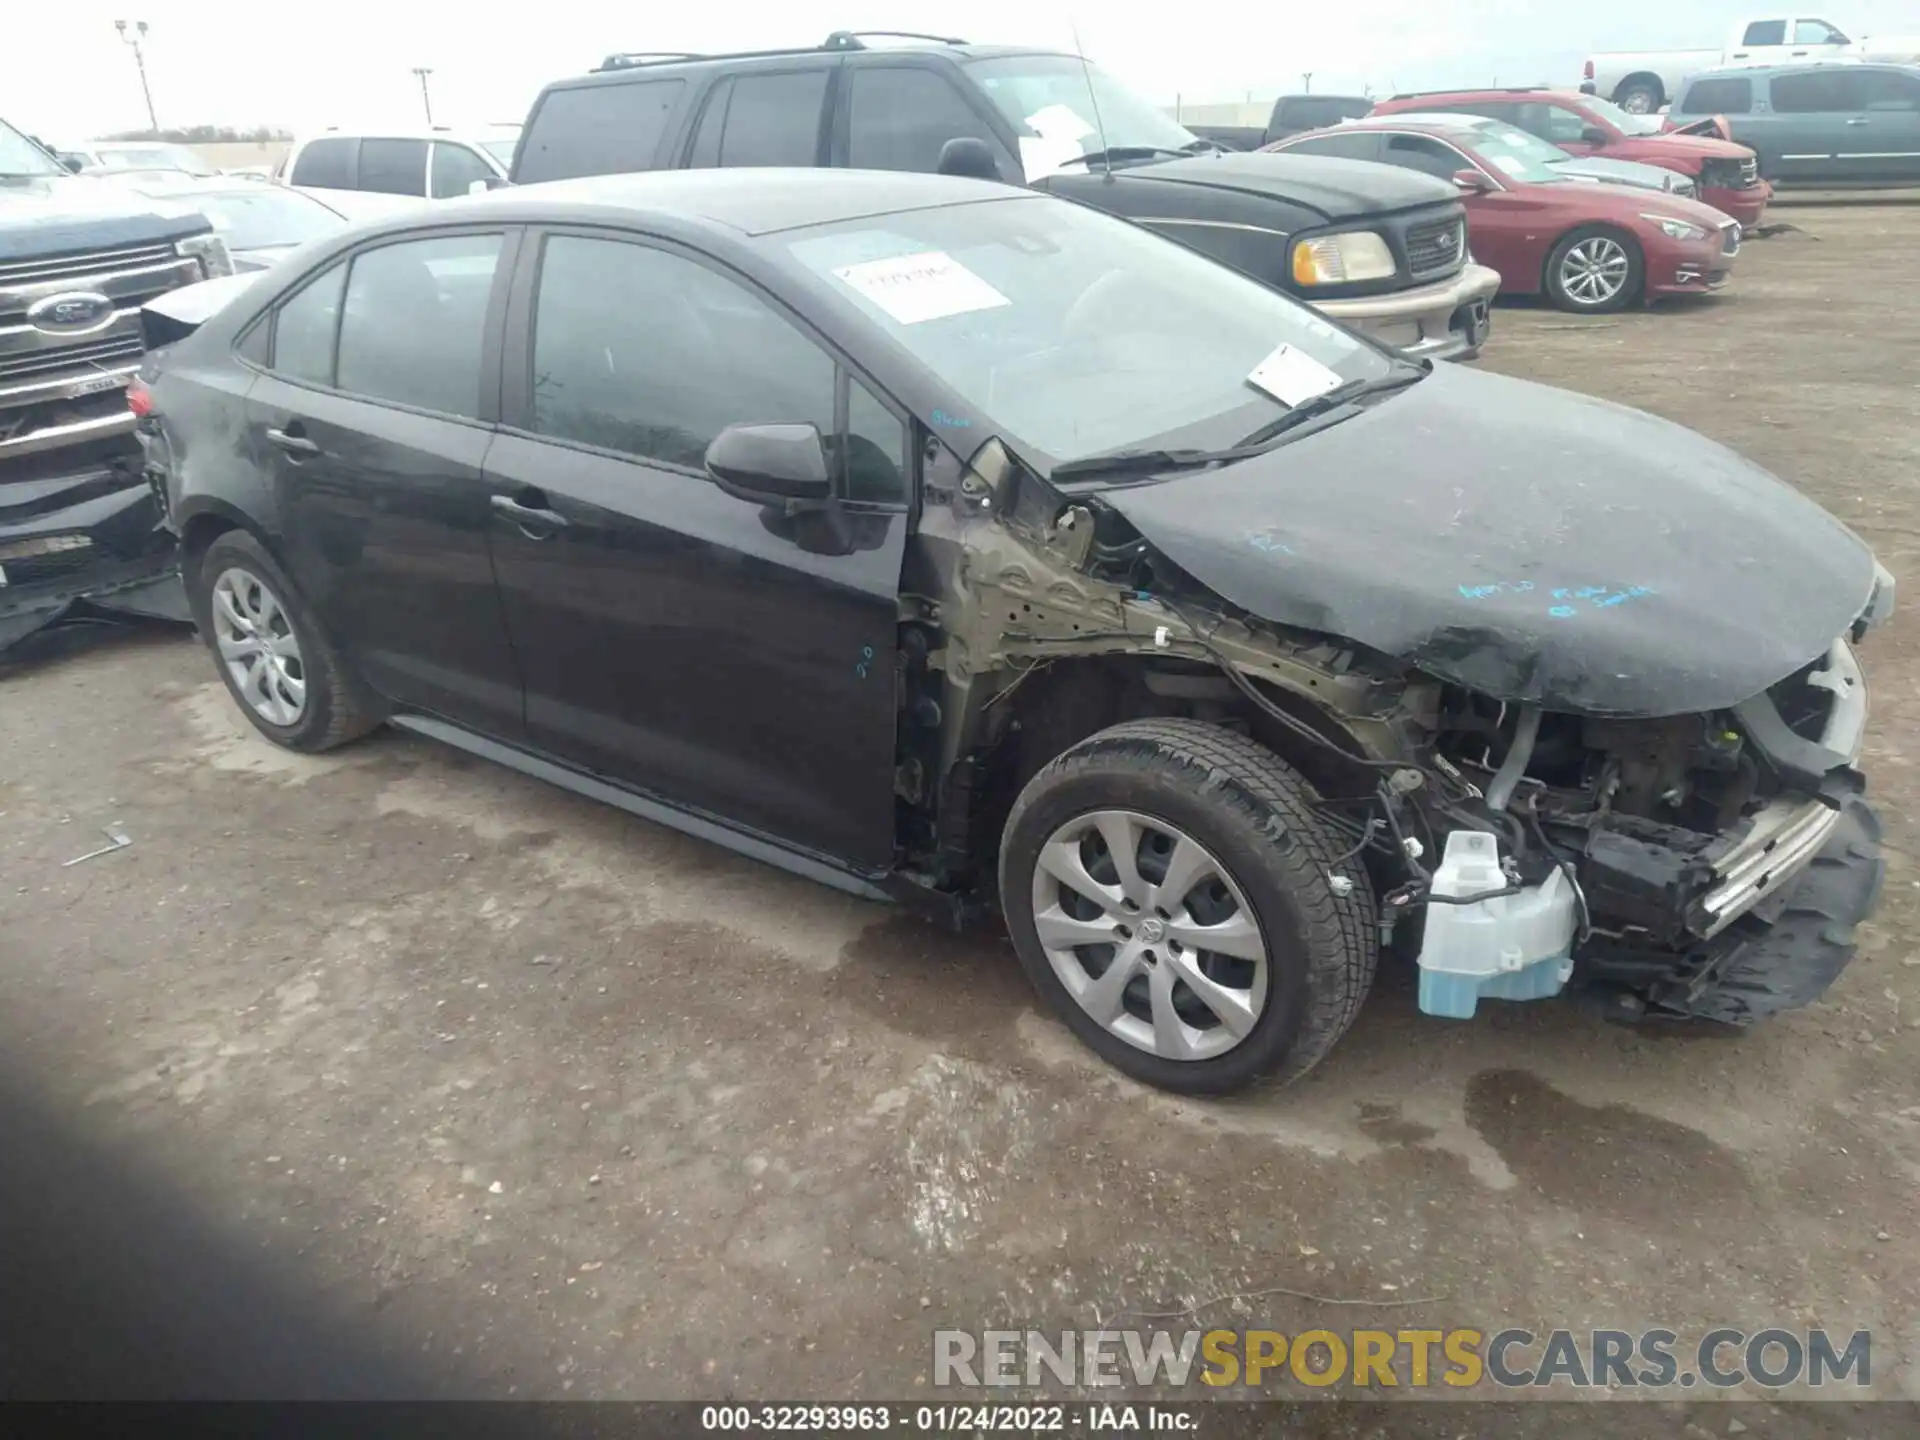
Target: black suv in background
{"x":78,"y":259}
{"x":1382,"y":250}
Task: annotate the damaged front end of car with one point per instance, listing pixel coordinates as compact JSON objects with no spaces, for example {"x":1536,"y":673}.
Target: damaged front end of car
{"x":1639,"y":788}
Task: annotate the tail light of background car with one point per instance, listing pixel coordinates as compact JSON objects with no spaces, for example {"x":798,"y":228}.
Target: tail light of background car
{"x":1587,"y":73}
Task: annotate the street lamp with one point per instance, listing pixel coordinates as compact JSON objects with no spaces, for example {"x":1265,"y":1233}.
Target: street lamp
{"x":423,"y":71}
{"x":139,"y":60}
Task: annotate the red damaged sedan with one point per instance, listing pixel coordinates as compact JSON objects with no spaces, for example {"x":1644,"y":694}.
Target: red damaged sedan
{"x":1590,"y":246}
{"x":1727,"y":175}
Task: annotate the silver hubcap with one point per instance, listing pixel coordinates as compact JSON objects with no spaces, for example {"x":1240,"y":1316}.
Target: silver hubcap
{"x":257,"y":645}
{"x":1594,"y":271}
{"x":1636,"y":102}
{"x":1150,"y":935}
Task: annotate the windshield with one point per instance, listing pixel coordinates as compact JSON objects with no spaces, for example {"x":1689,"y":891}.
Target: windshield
{"x":1050,"y":102}
{"x":1621,"y":120}
{"x":1518,"y":156}
{"x":1069,"y":333}
{"x":153,"y":157}
{"x":267,"y":216}
{"x":501,"y":150}
{"x":20,"y":156}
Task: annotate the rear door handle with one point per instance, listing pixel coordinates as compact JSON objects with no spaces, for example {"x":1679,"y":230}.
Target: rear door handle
{"x":292,"y":442}
{"x":530,"y":518}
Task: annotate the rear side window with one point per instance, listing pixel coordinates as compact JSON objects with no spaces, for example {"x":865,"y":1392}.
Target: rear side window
{"x":1816,"y":32}
{"x":1891,"y":90}
{"x":1826,"y":91}
{"x":394,"y":167}
{"x":303,"y":329}
{"x":1551,"y":123}
{"x":1356,"y":146}
{"x":1717,"y":97}
{"x":599,"y":129}
{"x":455,"y":168}
{"x":1765,"y":32}
{"x":899,"y":118}
{"x":416,"y":313}
{"x":1417,"y":152}
{"x":763,"y":120}
{"x":327,"y":163}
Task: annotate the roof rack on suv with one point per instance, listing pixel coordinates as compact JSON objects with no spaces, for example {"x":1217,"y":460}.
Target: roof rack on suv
{"x":838,"y":40}
{"x":1473,"y":90}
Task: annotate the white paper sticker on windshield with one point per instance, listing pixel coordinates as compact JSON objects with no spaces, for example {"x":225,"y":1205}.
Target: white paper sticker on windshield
{"x":1042,"y":155}
{"x":1292,"y":376}
{"x":929,"y":285}
{"x":1512,"y":164}
{"x":1057,"y":122}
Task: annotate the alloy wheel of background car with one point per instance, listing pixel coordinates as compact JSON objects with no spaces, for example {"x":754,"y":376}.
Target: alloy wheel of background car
{"x":1150,"y":934}
{"x":1595,"y":270}
{"x":254,"y":635}
{"x":1638,"y":100}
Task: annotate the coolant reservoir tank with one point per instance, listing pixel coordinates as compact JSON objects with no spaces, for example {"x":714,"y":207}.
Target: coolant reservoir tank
{"x":1511,"y":947}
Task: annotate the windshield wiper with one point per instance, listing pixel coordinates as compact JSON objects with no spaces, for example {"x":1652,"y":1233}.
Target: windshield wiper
{"x":1129,"y":152}
{"x":1161,"y":462}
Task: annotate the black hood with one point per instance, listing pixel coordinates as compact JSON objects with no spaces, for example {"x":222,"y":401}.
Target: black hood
{"x":1338,"y":189}
{"x":58,"y":215}
{"x":1530,"y":544}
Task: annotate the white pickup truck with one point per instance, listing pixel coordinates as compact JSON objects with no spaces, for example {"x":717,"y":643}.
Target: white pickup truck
{"x":1643,"y":81}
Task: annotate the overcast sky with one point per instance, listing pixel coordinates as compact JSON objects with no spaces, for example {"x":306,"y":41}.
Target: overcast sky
{"x":349,"y":62}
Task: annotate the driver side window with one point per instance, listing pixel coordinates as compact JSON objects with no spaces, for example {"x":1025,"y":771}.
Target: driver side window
{"x":1417,"y":152}
{"x":650,"y":354}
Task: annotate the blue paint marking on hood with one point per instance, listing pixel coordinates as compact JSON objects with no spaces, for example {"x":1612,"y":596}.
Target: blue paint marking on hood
{"x":1531,"y":544}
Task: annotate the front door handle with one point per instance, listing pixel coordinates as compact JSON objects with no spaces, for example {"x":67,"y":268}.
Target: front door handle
{"x":535,"y":521}
{"x":293,"y":442}
{"x":1858,"y":120}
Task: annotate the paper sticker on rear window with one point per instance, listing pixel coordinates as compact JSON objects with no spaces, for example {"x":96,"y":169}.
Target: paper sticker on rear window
{"x":929,"y":285}
{"x":1292,"y":376}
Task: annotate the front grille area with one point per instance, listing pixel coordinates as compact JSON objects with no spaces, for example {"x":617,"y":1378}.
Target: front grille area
{"x":1436,"y":247}
{"x":111,"y":353}
{"x":66,"y":268}
{"x":1723,"y":173}
{"x":1749,"y":171}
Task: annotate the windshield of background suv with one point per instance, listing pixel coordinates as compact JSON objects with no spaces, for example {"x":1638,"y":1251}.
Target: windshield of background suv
{"x":20,"y":156}
{"x":1070,"y":333}
{"x":1518,"y":156}
{"x":265,"y":215}
{"x":1049,"y":100}
{"x":1621,"y":120}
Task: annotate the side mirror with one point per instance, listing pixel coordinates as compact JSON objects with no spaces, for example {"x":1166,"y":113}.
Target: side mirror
{"x":1594,"y":135}
{"x":969,"y":156}
{"x":1472,"y":181}
{"x":770,"y":463}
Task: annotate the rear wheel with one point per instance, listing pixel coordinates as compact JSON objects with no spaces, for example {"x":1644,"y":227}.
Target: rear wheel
{"x":278,"y":664}
{"x":1638,"y":97}
{"x":1168,"y":886}
{"x":1595,"y":270}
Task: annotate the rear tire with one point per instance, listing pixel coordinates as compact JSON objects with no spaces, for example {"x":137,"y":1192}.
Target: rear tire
{"x":1638,"y":97}
{"x":280,"y":666}
{"x":1595,"y":270}
{"x":1225,"y":849}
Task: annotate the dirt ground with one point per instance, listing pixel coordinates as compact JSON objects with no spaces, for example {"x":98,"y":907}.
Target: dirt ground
{"x":551,"y":1102}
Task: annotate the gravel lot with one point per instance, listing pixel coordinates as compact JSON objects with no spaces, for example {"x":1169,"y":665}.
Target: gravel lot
{"x":542,"y":1100}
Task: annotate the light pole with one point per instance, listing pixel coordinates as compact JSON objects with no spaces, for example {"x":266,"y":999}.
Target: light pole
{"x":140,"y":61}
{"x":423,"y":71}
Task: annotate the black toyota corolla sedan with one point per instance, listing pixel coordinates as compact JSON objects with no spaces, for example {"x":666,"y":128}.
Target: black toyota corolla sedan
{"x":961,"y":546}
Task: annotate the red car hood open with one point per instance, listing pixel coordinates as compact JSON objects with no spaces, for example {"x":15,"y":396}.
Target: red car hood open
{"x":1713,"y":127}
{"x":1675,"y":143}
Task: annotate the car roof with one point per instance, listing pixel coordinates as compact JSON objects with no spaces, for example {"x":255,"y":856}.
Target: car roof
{"x":1805,"y":67}
{"x":501,"y":131}
{"x":749,"y":201}
{"x":1434,"y":124}
{"x":618,"y":68}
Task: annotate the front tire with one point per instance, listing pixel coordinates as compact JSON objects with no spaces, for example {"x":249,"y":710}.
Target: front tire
{"x":1595,"y":270}
{"x":1167,"y":885}
{"x":278,"y":663}
{"x":1638,"y":98}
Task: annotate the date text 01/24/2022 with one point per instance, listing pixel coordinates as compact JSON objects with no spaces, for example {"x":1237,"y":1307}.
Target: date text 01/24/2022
{"x":959,"y":1419}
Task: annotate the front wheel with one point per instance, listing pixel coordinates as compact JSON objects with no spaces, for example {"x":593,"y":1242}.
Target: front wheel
{"x":1595,"y":271}
{"x":1170,"y":891}
{"x":1639,"y":98}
